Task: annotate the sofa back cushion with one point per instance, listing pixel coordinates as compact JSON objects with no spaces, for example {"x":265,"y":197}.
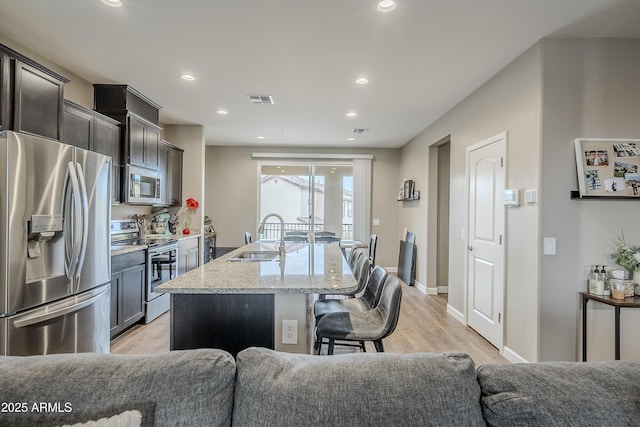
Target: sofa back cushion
{"x":281,"y":389}
{"x":561,"y":393}
{"x":176,"y":388}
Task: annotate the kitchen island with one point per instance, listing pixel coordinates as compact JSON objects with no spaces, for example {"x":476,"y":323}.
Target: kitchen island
{"x":235,"y":302}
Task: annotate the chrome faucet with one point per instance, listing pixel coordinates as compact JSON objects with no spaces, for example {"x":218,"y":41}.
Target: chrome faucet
{"x":261,"y":230}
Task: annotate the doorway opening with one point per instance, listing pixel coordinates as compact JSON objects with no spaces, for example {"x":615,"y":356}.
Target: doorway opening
{"x":438,"y":209}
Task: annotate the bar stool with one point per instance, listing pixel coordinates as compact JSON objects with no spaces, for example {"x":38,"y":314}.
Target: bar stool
{"x":373,"y":241}
{"x":371,"y":325}
{"x":367,"y":301}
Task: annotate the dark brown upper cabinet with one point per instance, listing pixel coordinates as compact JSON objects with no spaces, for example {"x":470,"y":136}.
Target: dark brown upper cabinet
{"x":139,"y":118}
{"x":93,"y":131}
{"x":31,"y":96}
{"x":141,"y":142}
{"x":170,"y":167}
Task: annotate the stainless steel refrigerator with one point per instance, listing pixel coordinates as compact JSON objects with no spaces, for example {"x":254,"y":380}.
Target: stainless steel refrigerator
{"x":55,"y":263}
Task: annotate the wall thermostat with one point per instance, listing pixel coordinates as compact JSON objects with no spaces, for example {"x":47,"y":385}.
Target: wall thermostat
{"x":511,"y":197}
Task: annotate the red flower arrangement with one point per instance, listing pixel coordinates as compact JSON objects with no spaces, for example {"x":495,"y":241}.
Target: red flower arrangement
{"x":192,"y":205}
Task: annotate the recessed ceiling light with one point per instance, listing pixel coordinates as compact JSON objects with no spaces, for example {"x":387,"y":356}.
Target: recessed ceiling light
{"x":187,"y":77}
{"x":222,"y":112}
{"x":385,"y":6}
{"x":351,"y":139}
{"x":112,"y":3}
{"x":351,"y":114}
{"x":260,"y":137}
{"x":362,"y":81}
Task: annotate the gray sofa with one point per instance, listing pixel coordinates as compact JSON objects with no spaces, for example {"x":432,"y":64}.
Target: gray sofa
{"x":268,"y":388}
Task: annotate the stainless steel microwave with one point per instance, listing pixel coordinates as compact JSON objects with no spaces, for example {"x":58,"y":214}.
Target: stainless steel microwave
{"x":143,"y":186}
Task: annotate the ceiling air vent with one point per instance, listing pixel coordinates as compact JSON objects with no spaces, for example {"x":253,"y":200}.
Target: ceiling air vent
{"x":359,"y":131}
{"x":261,"y":99}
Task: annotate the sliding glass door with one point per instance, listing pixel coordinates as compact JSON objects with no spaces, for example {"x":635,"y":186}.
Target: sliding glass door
{"x":313,"y":198}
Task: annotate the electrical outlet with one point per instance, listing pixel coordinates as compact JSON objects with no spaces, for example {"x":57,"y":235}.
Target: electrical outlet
{"x":289,"y":331}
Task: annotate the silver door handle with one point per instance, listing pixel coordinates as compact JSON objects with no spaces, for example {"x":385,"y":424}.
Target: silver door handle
{"x":85,"y":221}
{"x":469,"y":247}
{"x":71,"y":205}
{"x":43,"y":314}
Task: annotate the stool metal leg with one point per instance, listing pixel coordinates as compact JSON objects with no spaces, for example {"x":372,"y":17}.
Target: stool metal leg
{"x":378,"y":345}
{"x":331,"y":343}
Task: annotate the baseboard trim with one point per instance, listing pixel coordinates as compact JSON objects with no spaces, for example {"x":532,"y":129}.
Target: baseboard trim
{"x":442,"y":289}
{"x":422,"y":288}
{"x":512,"y":356}
{"x":456,"y":314}
{"x":393,"y":270}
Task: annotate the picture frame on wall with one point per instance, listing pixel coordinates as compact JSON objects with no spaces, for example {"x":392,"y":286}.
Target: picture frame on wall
{"x":608,"y":167}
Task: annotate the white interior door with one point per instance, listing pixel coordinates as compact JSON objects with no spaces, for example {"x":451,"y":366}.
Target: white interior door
{"x":485,"y":272}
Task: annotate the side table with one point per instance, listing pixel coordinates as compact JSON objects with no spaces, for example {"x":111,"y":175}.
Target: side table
{"x":617,"y":304}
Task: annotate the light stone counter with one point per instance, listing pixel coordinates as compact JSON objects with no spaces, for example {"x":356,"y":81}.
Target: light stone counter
{"x":307,"y":269}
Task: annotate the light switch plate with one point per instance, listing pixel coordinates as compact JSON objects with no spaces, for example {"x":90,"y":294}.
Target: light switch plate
{"x":549,"y":245}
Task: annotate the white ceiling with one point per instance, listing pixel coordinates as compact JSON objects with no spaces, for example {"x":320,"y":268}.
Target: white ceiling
{"x":420,"y":60}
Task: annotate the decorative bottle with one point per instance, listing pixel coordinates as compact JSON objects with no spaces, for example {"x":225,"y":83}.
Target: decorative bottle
{"x":592,"y":280}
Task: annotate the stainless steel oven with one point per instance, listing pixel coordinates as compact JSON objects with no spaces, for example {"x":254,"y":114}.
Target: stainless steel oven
{"x":162,"y":266}
{"x":161,"y":262}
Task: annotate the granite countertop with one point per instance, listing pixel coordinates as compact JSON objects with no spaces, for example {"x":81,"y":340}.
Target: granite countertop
{"x":119,"y":250}
{"x":307,"y":269}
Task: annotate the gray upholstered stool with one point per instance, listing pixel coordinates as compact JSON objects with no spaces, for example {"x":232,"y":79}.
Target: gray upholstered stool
{"x":371,"y":325}
{"x":367,"y":301}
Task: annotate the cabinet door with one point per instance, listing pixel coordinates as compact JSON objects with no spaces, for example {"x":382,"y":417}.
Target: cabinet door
{"x":163,"y":165}
{"x":132,"y":295}
{"x":77,"y":129}
{"x":174,"y":186}
{"x":193,"y":259}
{"x":135,"y":141}
{"x":116,"y":286}
{"x":151,"y":142}
{"x":38,"y":101}
{"x":106,"y":140}
{"x":183,"y":257}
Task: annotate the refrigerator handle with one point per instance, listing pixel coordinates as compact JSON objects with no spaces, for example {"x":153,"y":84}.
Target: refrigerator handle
{"x":85,"y":221}
{"x":71,"y":205}
{"x":43,"y":314}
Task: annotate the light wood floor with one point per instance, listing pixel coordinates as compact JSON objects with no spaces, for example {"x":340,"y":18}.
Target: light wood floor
{"x":424,"y":326}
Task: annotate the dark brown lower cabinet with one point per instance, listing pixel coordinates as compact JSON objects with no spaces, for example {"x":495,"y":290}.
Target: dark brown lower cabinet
{"x":128,"y":279}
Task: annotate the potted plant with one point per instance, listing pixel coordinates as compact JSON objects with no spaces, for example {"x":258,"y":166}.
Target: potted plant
{"x":628,"y":257}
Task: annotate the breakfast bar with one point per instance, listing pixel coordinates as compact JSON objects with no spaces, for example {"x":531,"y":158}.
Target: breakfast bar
{"x":241,"y":299}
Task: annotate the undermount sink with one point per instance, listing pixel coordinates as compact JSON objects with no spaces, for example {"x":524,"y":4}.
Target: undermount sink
{"x":254,"y":256}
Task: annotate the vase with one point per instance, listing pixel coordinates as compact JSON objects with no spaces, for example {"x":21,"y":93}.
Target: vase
{"x":187,"y":223}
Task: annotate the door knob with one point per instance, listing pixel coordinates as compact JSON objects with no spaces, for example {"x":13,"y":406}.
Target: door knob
{"x":470,"y":247}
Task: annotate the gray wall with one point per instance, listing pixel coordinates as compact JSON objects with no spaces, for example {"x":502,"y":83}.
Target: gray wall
{"x":511,"y":102}
{"x":559,"y":90}
{"x":591,"y":89}
{"x":231,"y":191}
